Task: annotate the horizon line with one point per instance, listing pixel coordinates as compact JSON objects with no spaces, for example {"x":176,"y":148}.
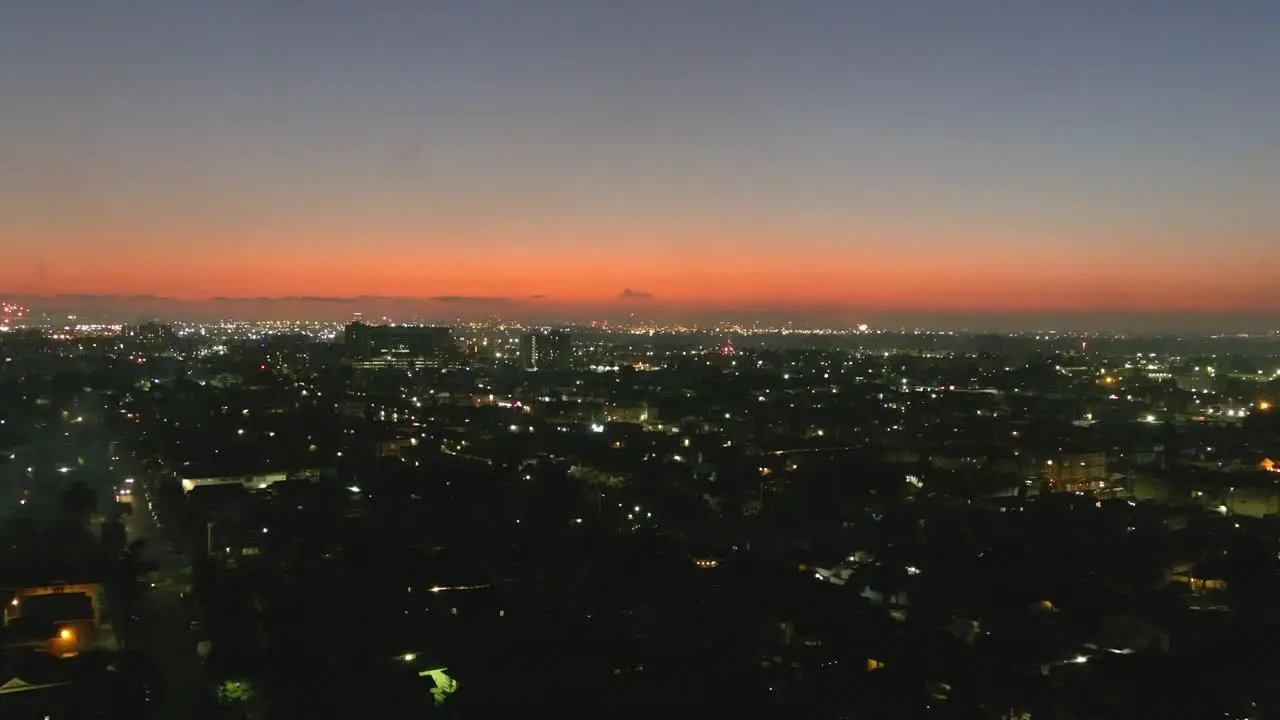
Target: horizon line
{"x":635,"y":301}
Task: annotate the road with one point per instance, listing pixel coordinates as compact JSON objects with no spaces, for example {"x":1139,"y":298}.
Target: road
{"x":164,"y":631}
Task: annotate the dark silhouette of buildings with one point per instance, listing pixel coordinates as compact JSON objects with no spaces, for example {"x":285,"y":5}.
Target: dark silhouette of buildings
{"x":372,"y":342}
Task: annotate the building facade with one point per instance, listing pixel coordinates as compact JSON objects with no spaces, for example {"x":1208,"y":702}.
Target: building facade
{"x":546,"y":351}
{"x":374,"y":342}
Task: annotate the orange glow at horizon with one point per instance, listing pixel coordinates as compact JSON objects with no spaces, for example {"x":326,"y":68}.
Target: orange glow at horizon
{"x":904,"y":272}
{"x":862,"y":286}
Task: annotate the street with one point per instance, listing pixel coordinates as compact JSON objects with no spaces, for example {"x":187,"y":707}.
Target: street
{"x":164,"y":632}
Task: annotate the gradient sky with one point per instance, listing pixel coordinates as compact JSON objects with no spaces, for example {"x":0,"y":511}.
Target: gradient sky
{"x":922,"y":155}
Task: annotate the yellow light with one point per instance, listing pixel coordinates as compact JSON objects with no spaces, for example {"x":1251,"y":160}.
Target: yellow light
{"x":1264,"y":406}
{"x":66,"y":634}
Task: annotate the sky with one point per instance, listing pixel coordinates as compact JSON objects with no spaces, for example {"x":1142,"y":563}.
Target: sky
{"x":789,"y":157}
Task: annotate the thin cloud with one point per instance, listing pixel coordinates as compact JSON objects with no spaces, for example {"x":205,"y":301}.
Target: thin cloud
{"x":283,"y":299}
{"x":633,"y":294}
{"x":92,"y":297}
{"x":468,"y":299}
{"x":323,"y":299}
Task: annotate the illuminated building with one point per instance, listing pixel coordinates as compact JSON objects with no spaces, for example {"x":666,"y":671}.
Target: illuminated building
{"x":638,"y":414}
{"x":529,"y":350}
{"x":73,"y":611}
{"x":546,"y":351}
{"x":250,"y":481}
{"x":1076,"y":472}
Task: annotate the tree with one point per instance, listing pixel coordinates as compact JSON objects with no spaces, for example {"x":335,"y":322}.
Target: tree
{"x":78,"y":502}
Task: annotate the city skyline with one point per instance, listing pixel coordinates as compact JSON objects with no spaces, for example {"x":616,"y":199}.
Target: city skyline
{"x":811,"y":161}
{"x":113,"y":309}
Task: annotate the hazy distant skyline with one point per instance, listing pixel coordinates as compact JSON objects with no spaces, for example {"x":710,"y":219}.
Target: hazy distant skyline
{"x":621,"y":311}
{"x":803,"y":158}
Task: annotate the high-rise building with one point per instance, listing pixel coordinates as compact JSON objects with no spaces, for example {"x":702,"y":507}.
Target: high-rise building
{"x":561,"y":349}
{"x":546,"y":351}
{"x":530,"y":350}
{"x":390,"y":342}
